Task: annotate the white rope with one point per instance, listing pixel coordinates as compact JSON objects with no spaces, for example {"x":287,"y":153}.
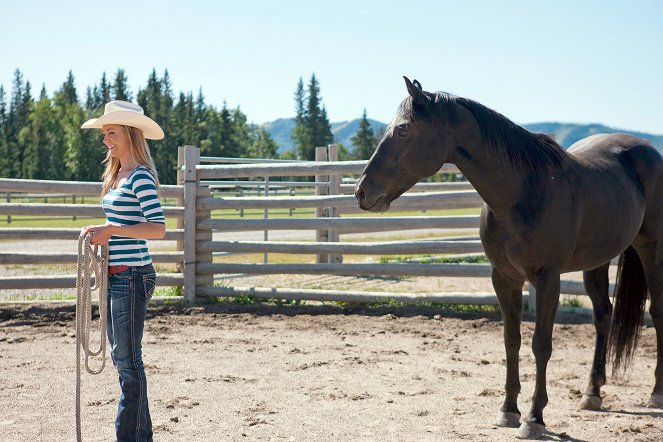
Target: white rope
{"x":89,"y":263}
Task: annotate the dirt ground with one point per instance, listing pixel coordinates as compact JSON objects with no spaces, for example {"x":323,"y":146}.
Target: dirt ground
{"x":231,"y":372}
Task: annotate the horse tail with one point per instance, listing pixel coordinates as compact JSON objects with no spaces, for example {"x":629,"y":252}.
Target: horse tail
{"x":628,"y":310}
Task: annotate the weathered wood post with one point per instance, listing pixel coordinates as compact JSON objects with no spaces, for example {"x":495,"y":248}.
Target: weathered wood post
{"x":321,"y":235}
{"x":191,"y":160}
{"x":203,"y":235}
{"x":531,"y":300}
{"x":333,"y":188}
{"x":180,"y":201}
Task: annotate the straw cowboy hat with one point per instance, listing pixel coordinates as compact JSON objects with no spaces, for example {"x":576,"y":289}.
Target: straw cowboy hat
{"x":126,"y":114}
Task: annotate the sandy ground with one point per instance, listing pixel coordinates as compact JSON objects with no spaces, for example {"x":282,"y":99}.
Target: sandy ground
{"x":230,"y":372}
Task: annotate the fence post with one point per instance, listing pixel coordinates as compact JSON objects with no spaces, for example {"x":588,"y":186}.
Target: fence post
{"x":265,"y":236}
{"x":191,"y":160}
{"x":321,"y":235}
{"x":333,"y":188}
{"x":531,"y":300}
{"x":180,"y":201}
{"x":203,"y":280}
{"x":9,"y":200}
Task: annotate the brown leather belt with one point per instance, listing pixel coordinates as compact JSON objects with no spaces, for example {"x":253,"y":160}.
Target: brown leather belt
{"x":117,"y":269}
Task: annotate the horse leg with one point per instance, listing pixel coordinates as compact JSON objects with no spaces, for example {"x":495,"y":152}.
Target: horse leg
{"x":656,"y":312}
{"x":597,"y":287}
{"x":510,"y":297}
{"x":547,"y":300}
{"x":653,"y":268}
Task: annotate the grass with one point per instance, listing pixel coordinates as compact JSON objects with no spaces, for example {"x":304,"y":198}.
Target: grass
{"x":427,"y":259}
{"x":61,"y":222}
{"x":571,"y":301}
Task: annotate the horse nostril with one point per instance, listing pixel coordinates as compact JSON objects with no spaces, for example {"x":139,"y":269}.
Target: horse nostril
{"x":361,"y":195}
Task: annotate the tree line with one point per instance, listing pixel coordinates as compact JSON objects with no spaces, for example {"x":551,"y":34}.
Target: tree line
{"x":40,"y":137}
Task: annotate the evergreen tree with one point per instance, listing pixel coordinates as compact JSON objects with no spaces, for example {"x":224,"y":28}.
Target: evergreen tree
{"x":3,"y":134}
{"x":300,"y":133}
{"x":120,"y":88}
{"x":312,"y":128}
{"x":19,"y":112}
{"x":68,"y":90}
{"x":364,"y":140}
{"x":262,"y":144}
{"x":79,"y":154}
{"x":240,"y":136}
{"x":226,"y":131}
{"x":39,"y":139}
{"x":164,"y":151}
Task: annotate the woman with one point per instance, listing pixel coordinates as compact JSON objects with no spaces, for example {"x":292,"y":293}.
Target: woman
{"x":133,"y":214}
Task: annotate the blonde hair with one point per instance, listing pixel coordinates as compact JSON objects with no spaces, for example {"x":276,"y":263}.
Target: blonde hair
{"x":140,"y":153}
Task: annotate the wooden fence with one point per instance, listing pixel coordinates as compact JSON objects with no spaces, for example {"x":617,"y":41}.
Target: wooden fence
{"x":334,"y":207}
{"x":36,"y":234}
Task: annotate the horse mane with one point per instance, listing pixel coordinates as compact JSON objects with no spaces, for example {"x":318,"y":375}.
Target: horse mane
{"x":524,"y":150}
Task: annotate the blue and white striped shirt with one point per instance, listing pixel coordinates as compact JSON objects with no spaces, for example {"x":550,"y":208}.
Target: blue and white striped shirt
{"x":135,"y":201}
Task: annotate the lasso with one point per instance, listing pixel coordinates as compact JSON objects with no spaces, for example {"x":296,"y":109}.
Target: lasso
{"x":89,"y":263}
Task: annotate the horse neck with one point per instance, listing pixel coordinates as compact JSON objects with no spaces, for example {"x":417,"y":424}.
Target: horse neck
{"x":497,"y":181}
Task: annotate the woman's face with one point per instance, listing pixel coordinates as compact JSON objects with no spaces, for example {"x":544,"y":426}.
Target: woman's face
{"x":117,"y":141}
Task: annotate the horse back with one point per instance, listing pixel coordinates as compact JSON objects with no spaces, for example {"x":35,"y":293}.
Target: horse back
{"x":619,"y":154}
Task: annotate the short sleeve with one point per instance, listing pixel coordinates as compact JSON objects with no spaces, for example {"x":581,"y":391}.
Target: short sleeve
{"x":145,"y":189}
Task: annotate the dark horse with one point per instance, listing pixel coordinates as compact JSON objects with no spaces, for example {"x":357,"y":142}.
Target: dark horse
{"x":547,"y":211}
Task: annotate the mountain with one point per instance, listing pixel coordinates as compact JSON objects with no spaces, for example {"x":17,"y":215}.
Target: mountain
{"x":565,"y":133}
{"x":568,"y":133}
{"x":281,"y":129}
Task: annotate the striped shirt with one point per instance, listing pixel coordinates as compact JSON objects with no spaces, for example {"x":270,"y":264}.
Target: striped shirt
{"x":135,"y":201}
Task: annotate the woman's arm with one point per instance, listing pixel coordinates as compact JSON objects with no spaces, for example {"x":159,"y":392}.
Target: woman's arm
{"x":147,"y":230}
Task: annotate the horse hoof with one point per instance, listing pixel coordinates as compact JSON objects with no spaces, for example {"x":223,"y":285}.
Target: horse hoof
{"x":508,"y":419}
{"x":591,"y":403}
{"x":530,"y":430}
{"x":656,"y":401}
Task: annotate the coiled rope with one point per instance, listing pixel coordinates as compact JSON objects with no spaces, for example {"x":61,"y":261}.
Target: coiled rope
{"x":90,"y":262}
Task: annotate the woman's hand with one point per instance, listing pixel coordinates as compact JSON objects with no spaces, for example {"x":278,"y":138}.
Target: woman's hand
{"x":100,"y":234}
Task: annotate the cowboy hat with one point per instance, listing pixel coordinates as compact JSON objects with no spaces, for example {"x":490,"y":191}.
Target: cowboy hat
{"x":126,"y":114}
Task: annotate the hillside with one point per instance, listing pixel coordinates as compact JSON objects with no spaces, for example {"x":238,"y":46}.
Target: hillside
{"x":565,"y":133}
{"x":568,"y":133}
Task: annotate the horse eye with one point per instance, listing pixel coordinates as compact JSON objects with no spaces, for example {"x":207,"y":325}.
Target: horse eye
{"x":402,"y":132}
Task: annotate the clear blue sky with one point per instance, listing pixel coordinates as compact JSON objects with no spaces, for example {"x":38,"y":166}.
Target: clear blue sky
{"x":570,"y":61}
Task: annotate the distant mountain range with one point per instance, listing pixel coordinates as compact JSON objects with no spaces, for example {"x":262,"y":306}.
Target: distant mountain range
{"x":565,"y":133}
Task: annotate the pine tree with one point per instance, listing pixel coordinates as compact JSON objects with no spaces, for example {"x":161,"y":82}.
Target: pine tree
{"x":19,"y":112}
{"x":312,"y":126}
{"x":262,"y":145}
{"x":241,"y":138}
{"x":3,"y":134}
{"x":226,"y":131}
{"x":120,"y":88}
{"x":68,"y":90}
{"x":39,"y":138}
{"x":364,"y":140}
{"x":300,"y":133}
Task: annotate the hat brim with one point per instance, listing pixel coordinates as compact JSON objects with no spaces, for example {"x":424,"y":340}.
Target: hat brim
{"x":151,"y":130}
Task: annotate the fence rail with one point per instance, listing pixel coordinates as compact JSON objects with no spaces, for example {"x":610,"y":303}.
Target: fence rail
{"x":197,"y":214}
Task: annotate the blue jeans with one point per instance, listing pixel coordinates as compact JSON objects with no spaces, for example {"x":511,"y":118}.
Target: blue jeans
{"x":128,"y":295}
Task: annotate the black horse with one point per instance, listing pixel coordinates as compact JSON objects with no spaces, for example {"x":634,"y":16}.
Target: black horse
{"x":547,"y":211}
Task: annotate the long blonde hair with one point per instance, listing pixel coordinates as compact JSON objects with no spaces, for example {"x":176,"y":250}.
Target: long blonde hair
{"x":140,"y":153}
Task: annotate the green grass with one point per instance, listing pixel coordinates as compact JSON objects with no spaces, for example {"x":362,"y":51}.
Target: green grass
{"x":62,"y":222}
{"x":571,"y":301}
{"x":427,"y":259}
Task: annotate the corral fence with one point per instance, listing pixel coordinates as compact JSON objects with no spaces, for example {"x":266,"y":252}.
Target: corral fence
{"x":206,"y":188}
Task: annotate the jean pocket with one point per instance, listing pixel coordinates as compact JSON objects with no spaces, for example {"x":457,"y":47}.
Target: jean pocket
{"x":149,"y":283}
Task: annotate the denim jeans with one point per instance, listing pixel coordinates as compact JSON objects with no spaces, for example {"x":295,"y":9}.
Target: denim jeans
{"x":128,"y":295}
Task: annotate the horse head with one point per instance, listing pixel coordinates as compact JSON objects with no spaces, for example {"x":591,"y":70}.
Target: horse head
{"x":413,"y":147}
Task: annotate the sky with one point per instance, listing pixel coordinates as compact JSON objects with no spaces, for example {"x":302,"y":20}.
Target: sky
{"x":591,"y":61}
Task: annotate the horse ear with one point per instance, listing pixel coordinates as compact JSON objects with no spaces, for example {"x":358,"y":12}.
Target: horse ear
{"x":415,"y":91}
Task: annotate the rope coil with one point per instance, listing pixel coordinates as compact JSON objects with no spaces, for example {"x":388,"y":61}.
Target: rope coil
{"x":90,"y":262}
